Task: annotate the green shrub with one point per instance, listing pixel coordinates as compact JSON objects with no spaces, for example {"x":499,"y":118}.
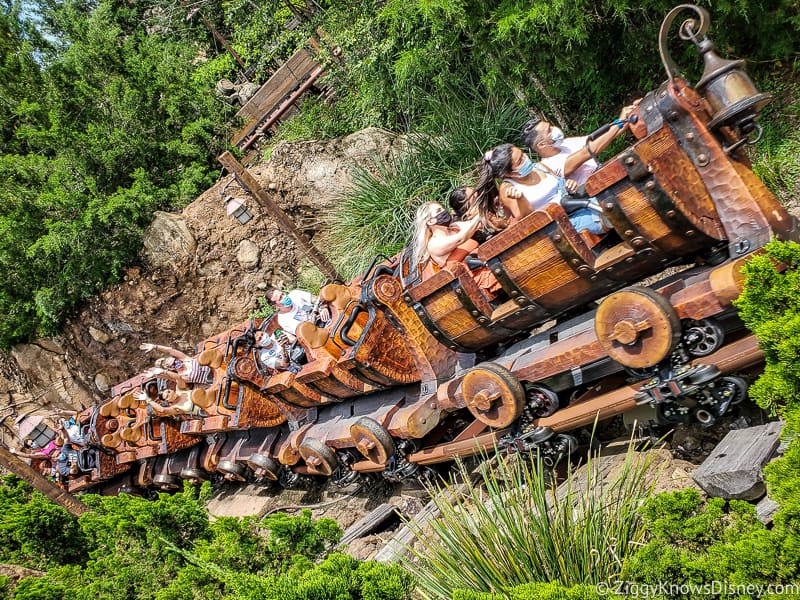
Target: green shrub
{"x":541,"y":591}
{"x":512,"y":527}
{"x":374,"y":216}
{"x":696,"y":544}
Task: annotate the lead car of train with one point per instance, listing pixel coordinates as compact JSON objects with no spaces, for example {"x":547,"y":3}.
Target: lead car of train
{"x":411,"y":372}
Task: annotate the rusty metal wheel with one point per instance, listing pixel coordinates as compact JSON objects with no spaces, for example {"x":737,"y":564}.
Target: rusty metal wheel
{"x":637,"y":327}
{"x":264,"y":467}
{"x":372,"y":440}
{"x":493,"y":394}
{"x":194,"y":476}
{"x":166,"y":482}
{"x":232,"y":471}
{"x":318,"y":456}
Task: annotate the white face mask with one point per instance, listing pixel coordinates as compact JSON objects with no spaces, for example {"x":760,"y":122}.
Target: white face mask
{"x":556,"y":135}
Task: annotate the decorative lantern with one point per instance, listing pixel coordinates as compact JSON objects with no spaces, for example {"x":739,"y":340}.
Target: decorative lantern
{"x":729,"y":91}
{"x":237,"y":209}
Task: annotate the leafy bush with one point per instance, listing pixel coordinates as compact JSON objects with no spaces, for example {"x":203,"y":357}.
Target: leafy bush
{"x":514,"y":527}
{"x":699,"y":544}
{"x":35,"y":532}
{"x":539,"y":591}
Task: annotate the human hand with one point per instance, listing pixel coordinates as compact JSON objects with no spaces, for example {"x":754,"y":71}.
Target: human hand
{"x":324,"y":313}
{"x":514,"y":193}
{"x":571,"y":185}
{"x":147,"y":347}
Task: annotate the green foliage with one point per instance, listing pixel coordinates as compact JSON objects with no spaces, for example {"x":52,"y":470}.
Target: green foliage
{"x":538,"y":591}
{"x":770,"y":307}
{"x":775,"y":156}
{"x":513,"y":527}
{"x":103,"y":123}
{"x":166,"y":549}
{"x":34,"y":532}
{"x":697,"y":544}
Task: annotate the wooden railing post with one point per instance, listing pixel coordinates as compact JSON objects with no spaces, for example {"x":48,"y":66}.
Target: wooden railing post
{"x":28,"y":474}
{"x":251,"y":185}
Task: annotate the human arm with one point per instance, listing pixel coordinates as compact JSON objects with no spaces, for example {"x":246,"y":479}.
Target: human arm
{"x":165,"y":411}
{"x":147,"y":347}
{"x":444,"y":244}
{"x":596,"y":146}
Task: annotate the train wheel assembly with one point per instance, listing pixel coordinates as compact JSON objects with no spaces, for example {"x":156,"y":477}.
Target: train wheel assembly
{"x":318,"y":456}
{"x":637,"y":327}
{"x":703,"y":337}
{"x":372,"y":440}
{"x":493,"y":394}
{"x":232,"y":471}
{"x":264,"y":467}
{"x":194,"y":476}
{"x":166,"y":482}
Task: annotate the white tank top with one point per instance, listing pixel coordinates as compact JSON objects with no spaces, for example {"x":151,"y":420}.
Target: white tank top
{"x":540,"y":194}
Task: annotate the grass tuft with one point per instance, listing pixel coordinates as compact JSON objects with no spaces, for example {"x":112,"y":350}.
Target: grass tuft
{"x":513,"y":525}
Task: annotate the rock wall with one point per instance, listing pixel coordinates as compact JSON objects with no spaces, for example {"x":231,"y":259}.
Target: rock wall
{"x":200,"y":272}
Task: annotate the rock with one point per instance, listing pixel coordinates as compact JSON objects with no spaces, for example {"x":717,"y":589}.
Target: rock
{"x":734,"y":469}
{"x":168,"y":241}
{"x":102,"y":382}
{"x":248,"y":255}
{"x":766,"y":509}
{"x":246,"y":91}
{"x":99,"y":336}
{"x":50,"y":345}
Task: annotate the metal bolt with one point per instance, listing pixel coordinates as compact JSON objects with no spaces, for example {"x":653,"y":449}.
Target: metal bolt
{"x":609,"y":205}
{"x":702,"y":159}
{"x":690,"y":136}
{"x":629,"y":232}
{"x":498,"y":271}
{"x":670,"y":213}
{"x":690,"y":232}
{"x":557,"y":237}
{"x":630,"y":161}
{"x":650,"y":185}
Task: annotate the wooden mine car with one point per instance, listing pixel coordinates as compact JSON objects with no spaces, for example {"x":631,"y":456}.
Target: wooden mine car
{"x":412,"y":371}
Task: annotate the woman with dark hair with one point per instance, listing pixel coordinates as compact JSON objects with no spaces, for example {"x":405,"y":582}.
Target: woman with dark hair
{"x":462,"y":203}
{"x":526,"y":187}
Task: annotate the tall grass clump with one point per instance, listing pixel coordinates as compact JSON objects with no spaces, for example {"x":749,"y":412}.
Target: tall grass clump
{"x":514,"y":525}
{"x":374,"y":215}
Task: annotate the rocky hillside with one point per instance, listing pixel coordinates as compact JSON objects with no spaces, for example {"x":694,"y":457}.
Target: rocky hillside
{"x":200,"y":272}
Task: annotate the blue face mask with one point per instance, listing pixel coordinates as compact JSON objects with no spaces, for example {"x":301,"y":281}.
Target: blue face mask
{"x":525,"y":168}
{"x":286,"y":301}
{"x":556,"y":135}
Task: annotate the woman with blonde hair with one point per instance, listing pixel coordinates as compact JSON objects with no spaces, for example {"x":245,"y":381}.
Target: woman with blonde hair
{"x":437,"y":240}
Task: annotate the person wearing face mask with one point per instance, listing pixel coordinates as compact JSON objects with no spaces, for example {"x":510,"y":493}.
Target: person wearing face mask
{"x":570,"y":156}
{"x":438,"y":240}
{"x":526,"y":186}
{"x":293,"y":308}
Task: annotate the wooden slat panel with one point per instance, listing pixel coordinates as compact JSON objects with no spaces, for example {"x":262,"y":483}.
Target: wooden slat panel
{"x":288,"y":76}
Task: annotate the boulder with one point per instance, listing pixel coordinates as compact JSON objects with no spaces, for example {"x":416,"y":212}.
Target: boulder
{"x":168,"y":241}
{"x":248,"y":255}
{"x":734,"y":470}
{"x":102,"y":382}
{"x":98,"y":335}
